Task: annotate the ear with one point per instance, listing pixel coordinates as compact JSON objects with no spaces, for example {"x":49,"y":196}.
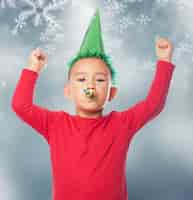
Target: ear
{"x":67,"y":91}
{"x":113,"y":93}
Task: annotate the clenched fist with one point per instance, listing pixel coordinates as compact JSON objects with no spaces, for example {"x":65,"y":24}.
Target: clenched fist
{"x":164,"y":49}
{"x":37,"y":60}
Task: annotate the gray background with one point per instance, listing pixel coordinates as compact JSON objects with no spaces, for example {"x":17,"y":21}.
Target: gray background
{"x":160,"y":161}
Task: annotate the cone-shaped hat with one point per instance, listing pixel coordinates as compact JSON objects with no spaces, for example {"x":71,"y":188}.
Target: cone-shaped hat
{"x":92,"y":40}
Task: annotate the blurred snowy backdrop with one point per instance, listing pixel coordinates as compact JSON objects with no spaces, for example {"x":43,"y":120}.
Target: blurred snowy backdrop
{"x":160,"y":161}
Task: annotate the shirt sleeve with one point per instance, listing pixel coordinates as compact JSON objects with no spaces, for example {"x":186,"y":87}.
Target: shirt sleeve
{"x":136,"y":116}
{"x":22,"y":104}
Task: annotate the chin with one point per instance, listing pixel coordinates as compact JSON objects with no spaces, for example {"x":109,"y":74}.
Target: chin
{"x":89,"y":107}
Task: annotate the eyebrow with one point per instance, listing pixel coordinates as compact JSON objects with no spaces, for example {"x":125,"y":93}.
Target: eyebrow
{"x":77,"y":73}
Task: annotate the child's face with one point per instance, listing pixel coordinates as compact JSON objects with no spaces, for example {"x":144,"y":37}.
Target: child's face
{"x":90,"y":72}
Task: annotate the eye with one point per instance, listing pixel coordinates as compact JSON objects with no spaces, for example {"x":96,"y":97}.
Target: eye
{"x":100,"y":80}
{"x":81,"y":79}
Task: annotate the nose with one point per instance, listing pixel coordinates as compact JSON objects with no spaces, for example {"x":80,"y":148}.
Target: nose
{"x":90,"y":85}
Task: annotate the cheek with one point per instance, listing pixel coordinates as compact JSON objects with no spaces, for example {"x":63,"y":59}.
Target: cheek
{"x":104,"y":86}
{"x":77,"y":92}
{"x":102,"y":91}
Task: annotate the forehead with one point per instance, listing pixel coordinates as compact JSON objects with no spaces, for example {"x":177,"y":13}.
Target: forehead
{"x":90,"y":65}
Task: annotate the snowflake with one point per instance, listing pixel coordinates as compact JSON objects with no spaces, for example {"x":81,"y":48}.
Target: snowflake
{"x":114,"y":7}
{"x":121,"y":26}
{"x":51,"y":32}
{"x":185,"y":46}
{"x":124,"y":23}
{"x":143,"y":19}
{"x":50,"y":36}
{"x":10,"y":3}
{"x":48,"y":49}
{"x":54,"y":36}
{"x":39,"y":11}
{"x":44,"y":37}
{"x":119,"y":11}
{"x":20,"y":23}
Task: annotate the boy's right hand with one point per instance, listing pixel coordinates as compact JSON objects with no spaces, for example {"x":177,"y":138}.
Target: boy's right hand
{"x":37,"y":60}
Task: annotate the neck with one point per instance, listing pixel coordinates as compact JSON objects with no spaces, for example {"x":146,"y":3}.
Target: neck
{"x":89,"y":114}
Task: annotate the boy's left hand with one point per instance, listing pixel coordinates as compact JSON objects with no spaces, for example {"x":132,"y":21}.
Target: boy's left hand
{"x":164,"y":49}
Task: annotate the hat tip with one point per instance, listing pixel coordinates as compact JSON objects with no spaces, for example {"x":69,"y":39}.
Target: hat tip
{"x":97,"y":11}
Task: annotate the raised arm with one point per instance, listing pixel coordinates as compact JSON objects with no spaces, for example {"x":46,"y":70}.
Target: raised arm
{"x":22,"y":102}
{"x":145,"y":110}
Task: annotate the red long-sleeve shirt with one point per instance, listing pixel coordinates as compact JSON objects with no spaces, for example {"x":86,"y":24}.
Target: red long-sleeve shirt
{"x":88,"y":156}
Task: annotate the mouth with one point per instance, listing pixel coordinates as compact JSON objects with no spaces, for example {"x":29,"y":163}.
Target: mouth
{"x":90,"y":99}
{"x":89,"y":93}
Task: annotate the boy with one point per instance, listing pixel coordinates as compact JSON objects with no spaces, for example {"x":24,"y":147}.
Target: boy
{"x":88,"y":150}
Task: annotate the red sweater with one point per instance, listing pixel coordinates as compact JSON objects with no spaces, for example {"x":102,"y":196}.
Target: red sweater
{"x":88,"y":156}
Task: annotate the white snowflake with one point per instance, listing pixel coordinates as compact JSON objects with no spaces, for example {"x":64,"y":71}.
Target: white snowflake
{"x":51,"y":33}
{"x":20,"y":23}
{"x":9,"y":3}
{"x":121,"y":26}
{"x":44,"y":37}
{"x":48,"y":49}
{"x":122,"y":20}
{"x":184,"y":47}
{"x":50,"y":37}
{"x":114,"y":7}
{"x":39,"y":11}
{"x":124,"y":23}
{"x":143,"y":19}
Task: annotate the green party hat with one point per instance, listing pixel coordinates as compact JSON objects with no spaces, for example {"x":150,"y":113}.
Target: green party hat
{"x":93,"y":38}
{"x":92,"y":46}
